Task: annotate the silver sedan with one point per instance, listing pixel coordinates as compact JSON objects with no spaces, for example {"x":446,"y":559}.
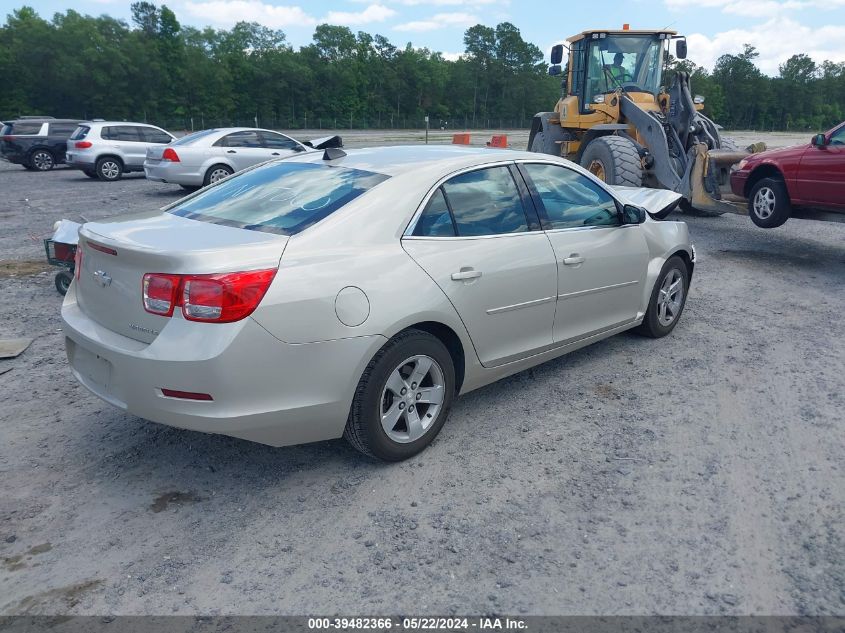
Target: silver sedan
{"x":357,"y":294}
{"x":207,"y":156}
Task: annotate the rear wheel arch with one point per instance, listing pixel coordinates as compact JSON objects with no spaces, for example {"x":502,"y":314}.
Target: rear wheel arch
{"x":453,"y":343}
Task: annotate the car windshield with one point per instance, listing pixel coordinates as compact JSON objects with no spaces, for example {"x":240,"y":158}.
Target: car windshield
{"x":631,"y":61}
{"x":281,"y":197}
{"x":192,"y":137}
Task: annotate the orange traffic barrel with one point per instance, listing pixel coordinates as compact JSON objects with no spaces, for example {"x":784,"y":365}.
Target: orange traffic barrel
{"x":498,"y":140}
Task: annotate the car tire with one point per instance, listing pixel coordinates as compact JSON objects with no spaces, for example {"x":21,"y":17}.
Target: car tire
{"x":42,"y":160}
{"x":90,"y":173}
{"x":63,"y":281}
{"x":109,"y":169}
{"x":665,"y":305}
{"x":768,"y":203}
{"x":216,"y":173}
{"x":391,"y":425}
{"x":613,"y":159}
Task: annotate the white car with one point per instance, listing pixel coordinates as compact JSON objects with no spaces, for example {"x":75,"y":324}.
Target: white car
{"x":359,"y":293}
{"x":109,"y":149}
{"x":204,"y":157}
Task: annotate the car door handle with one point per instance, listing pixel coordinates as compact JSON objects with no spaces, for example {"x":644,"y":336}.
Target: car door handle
{"x":465,"y":274}
{"x":275,"y":154}
{"x":574,"y":260}
{"x":231,"y":151}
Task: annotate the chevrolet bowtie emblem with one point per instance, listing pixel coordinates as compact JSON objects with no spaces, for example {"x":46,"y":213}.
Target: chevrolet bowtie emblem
{"x":102,"y":278}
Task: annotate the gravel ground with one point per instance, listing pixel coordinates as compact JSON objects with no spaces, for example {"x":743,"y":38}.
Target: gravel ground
{"x":698,"y":474}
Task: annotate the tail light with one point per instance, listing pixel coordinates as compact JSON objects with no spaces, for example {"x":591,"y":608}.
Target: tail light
{"x":77,"y":261}
{"x":8,"y":137}
{"x":82,"y":144}
{"x":170,"y":154}
{"x":221,"y":298}
{"x":161,"y":293}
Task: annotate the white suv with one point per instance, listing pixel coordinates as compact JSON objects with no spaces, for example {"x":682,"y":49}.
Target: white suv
{"x":108,"y":149}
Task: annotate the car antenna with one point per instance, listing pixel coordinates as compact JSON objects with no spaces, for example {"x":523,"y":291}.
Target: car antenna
{"x":333,"y":152}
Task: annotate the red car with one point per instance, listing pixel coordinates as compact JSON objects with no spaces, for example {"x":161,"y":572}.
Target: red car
{"x":811,"y":175}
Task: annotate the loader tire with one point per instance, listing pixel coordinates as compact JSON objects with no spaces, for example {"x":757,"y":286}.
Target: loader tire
{"x":613,"y":159}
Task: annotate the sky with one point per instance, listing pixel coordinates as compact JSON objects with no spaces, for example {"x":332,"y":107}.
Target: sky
{"x":778,"y":28}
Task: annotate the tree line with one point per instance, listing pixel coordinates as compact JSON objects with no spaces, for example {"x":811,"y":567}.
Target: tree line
{"x":181,"y":77}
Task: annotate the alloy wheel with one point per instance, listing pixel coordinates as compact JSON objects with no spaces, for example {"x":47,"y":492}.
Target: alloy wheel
{"x":42,"y":161}
{"x":670,"y":298}
{"x":412,"y":398}
{"x":764,"y":203}
{"x":110,"y":169}
{"x":597,"y":169}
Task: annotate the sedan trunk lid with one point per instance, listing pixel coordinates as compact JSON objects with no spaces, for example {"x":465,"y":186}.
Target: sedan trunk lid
{"x":117,"y":254}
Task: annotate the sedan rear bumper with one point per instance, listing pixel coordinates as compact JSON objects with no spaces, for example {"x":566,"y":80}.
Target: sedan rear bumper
{"x":176,"y":173}
{"x":262,"y":389}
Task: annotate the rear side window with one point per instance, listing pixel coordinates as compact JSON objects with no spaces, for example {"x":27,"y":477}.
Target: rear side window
{"x":246,"y":138}
{"x":152,"y":135}
{"x":120,"y":133}
{"x":435,"y":221}
{"x":80,"y":133}
{"x":283,"y":198}
{"x":485,"y":202}
{"x":22,"y":128}
{"x":570,"y":199}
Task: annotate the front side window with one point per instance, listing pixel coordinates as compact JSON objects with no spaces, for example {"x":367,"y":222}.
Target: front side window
{"x":485,"y":202}
{"x":246,"y":138}
{"x":838,"y":137}
{"x":282,"y":197}
{"x":278,"y":141}
{"x":62,"y":129}
{"x":570,"y":199}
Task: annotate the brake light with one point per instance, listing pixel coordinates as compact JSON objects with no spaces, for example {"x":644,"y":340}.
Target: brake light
{"x":170,"y":154}
{"x":219,"y":298}
{"x":77,"y":261}
{"x":224,"y":298}
{"x":82,"y":144}
{"x":161,"y":293}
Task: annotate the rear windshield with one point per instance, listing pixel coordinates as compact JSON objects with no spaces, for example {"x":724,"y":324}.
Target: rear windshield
{"x":193,"y":136}
{"x":80,"y":133}
{"x":282,"y":197}
{"x":24,"y":127}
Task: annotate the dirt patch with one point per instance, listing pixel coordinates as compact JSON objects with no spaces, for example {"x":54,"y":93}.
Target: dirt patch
{"x":22,"y":267}
{"x":13,"y":563}
{"x":162,"y":502}
{"x":65,"y":597}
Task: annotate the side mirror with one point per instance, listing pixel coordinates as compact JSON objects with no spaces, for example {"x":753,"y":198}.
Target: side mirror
{"x":555,"y":70}
{"x":819,"y":140}
{"x":557,"y":54}
{"x":632,"y":214}
{"x":681,"y":49}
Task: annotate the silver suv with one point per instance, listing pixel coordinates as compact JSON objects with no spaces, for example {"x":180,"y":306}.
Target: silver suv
{"x":108,"y":149}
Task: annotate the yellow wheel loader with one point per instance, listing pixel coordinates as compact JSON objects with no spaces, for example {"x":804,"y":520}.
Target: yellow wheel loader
{"x":616,"y":119}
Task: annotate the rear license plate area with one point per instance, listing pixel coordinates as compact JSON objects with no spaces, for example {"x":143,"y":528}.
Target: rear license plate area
{"x":92,"y":367}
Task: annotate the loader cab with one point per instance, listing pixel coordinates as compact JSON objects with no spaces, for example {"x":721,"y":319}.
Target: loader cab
{"x":602,"y":62}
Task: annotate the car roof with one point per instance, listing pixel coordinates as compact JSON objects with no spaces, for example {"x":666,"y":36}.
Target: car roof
{"x":42,"y":120}
{"x":395,"y":160}
{"x":100,"y":122}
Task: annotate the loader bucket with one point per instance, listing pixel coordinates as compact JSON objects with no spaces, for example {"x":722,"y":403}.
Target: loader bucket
{"x":705,"y":194}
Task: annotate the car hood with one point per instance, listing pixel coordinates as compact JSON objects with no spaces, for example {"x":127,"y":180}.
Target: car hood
{"x":779,"y":153}
{"x":657,"y":202}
